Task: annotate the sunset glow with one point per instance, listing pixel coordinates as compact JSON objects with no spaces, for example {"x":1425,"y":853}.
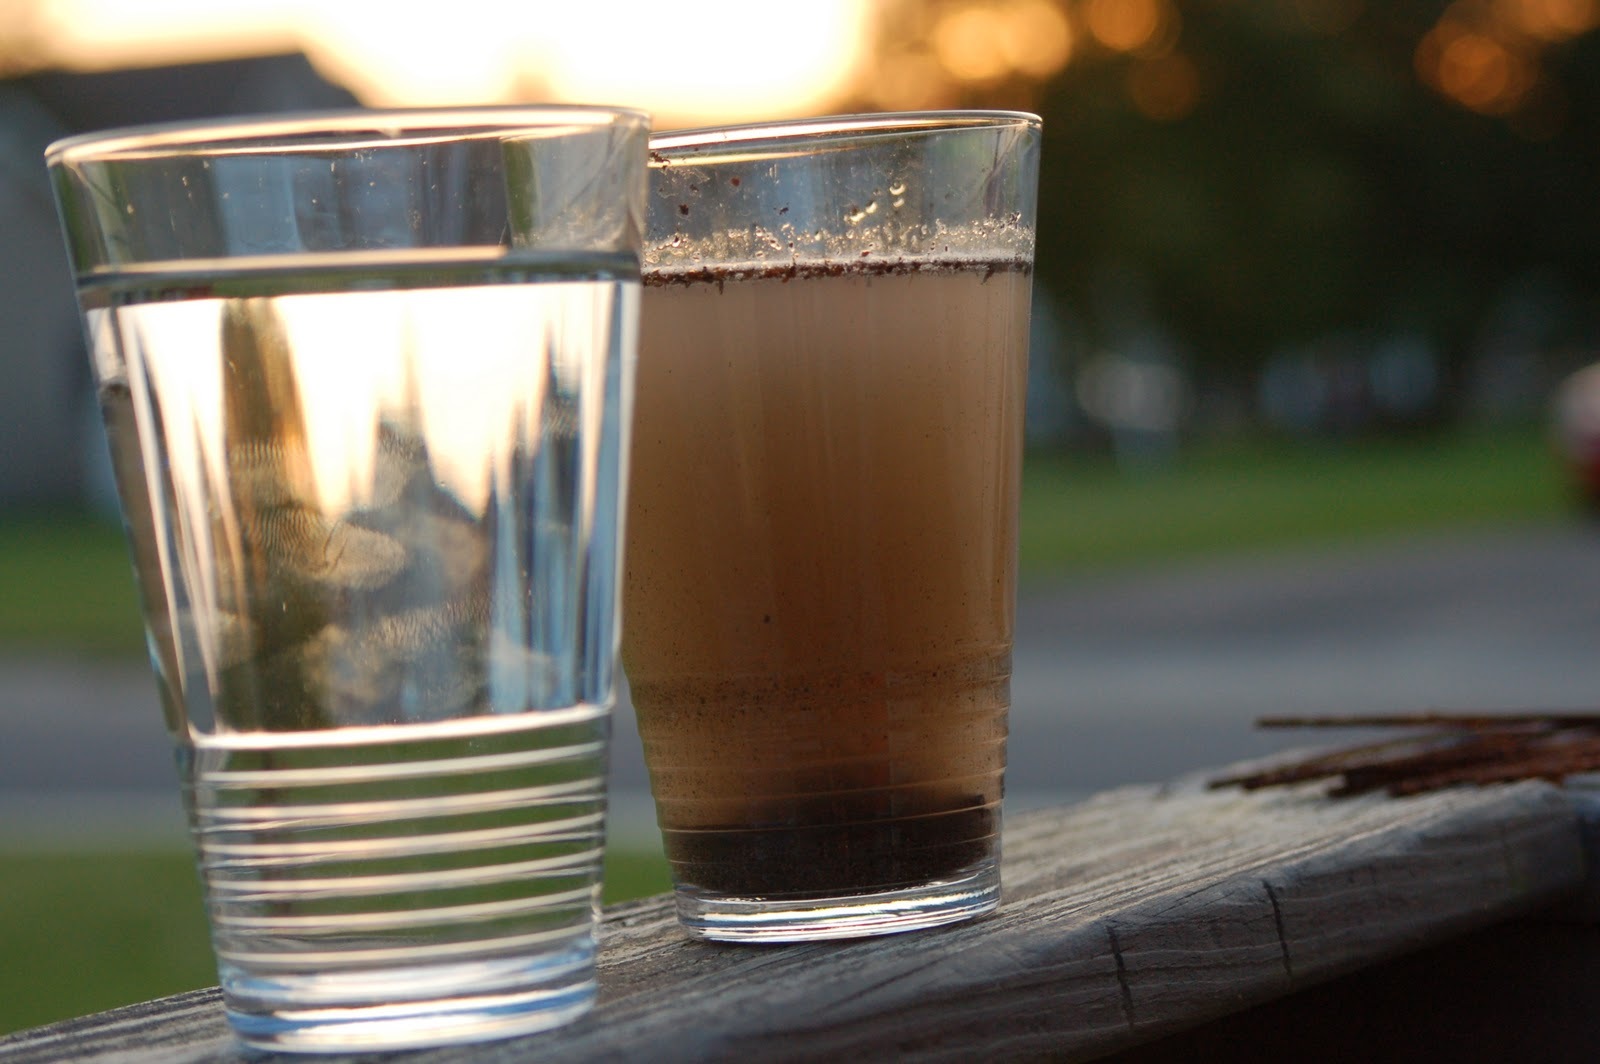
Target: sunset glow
{"x":718,"y":63}
{"x":740,"y":60}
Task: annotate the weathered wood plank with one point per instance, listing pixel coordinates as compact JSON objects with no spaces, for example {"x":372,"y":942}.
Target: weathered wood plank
{"x":1521,"y":990}
{"x":1133,"y":915}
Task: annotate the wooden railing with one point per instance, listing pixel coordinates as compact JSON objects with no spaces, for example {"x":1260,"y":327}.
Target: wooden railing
{"x":1127,"y":918}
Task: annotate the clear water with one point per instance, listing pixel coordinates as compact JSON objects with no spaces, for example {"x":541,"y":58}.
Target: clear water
{"x":374,"y":511}
{"x":448,"y":866}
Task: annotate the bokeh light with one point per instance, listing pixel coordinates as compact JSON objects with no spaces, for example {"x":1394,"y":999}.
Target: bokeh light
{"x":1488,"y":55}
{"x":969,"y":42}
{"x":988,"y":42}
{"x":1549,"y":20}
{"x":1131,"y":25}
{"x":1475,"y":68}
{"x":1037,"y":38}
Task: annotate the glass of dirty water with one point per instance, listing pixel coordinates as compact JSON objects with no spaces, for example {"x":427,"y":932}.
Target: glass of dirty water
{"x":822,"y":537}
{"x":366,"y":379}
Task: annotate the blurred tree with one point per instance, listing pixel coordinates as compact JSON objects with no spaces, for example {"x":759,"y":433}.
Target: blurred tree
{"x":1275,"y":171}
{"x":1313,"y":183}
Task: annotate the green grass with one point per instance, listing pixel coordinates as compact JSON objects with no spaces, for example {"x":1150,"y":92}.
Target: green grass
{"x":90,"y":932}
{"x":83,"y":932}
{"x":66,"y":584}
{"x":1082,"y":514}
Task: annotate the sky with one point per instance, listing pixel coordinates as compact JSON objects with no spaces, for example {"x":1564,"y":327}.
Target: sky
{"x":727,"y":62}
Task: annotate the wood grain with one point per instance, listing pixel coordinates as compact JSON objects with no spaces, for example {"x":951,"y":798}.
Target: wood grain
{"x":1139,"y":913}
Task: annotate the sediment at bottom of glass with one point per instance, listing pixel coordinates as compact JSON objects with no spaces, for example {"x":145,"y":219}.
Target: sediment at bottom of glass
{"x":725,"y":918}
{"x":410,"y":1007}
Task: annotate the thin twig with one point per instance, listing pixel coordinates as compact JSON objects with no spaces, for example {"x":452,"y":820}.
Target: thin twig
{"x":1451,"y":749}
{"x":1438,"y":719}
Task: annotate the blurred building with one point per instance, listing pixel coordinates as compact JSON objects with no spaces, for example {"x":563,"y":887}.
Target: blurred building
{"x":51,"y":448}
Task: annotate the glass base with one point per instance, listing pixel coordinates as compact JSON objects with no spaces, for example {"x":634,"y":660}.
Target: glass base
{"x":410,"y":1007}
{"x":726,"y":918}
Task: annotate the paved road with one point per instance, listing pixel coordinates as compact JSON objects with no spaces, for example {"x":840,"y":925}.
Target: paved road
{"x":1123,"y":678}
{"x":1145,"y":676}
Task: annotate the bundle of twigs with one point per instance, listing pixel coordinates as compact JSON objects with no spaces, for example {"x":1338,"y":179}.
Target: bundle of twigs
{"x":1439,"y":750}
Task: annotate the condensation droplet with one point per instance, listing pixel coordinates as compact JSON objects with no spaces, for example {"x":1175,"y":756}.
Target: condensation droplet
{"x":897,"y":189}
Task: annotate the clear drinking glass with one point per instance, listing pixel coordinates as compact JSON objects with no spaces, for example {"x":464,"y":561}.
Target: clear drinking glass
{"x":820,"y":584}
{"x":366,"y":379}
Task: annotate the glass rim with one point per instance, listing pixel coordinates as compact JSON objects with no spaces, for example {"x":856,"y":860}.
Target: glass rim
{"x":830,"y":127}
{"x":274,"y":132}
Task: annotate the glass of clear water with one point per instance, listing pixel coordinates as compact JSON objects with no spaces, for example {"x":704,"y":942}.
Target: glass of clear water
{"x":366,"y":380}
